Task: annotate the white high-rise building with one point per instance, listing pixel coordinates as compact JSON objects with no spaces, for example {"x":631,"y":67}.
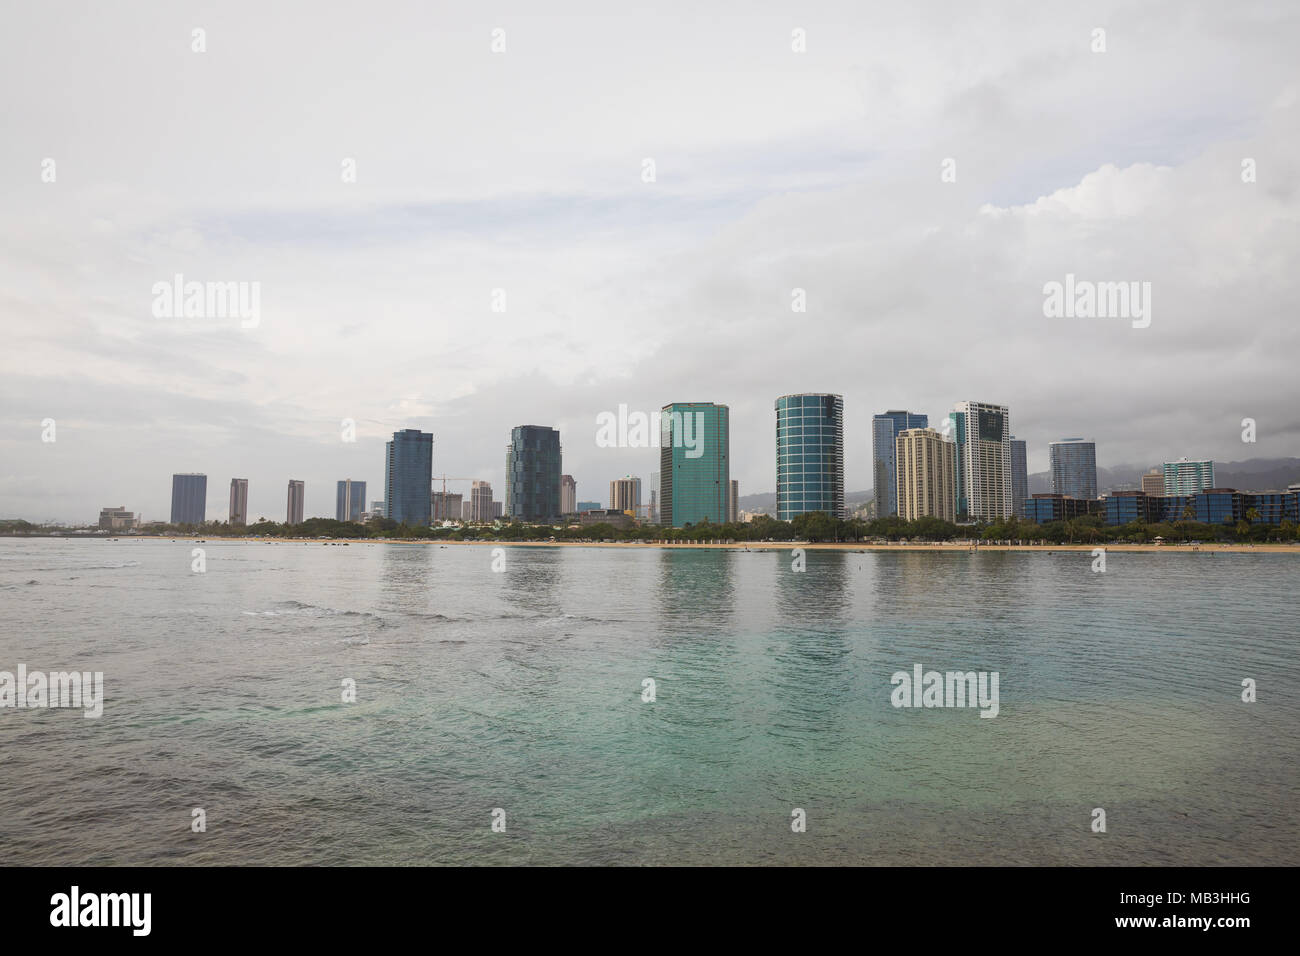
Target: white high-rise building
{"x":1185,"y":477}
{"x":983,"y":436}
{"x":480,"y":499}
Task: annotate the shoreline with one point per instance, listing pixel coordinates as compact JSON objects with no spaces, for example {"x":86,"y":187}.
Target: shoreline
{"x":850,"y":546}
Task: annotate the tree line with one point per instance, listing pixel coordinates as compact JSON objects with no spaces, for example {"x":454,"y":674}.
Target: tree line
{"x":814,"y":527}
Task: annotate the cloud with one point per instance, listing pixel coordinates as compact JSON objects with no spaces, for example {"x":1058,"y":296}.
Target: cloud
{"x":521,"y":172}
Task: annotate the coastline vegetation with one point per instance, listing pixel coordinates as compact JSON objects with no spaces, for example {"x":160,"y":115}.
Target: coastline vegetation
{"x":813,"y":528}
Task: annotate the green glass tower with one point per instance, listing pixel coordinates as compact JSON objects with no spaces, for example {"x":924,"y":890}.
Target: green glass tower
{"x":810,"y":455}
{"x":695,"y":463}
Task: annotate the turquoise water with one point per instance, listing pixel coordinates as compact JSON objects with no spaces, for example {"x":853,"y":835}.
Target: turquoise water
{"x":521,"y":690}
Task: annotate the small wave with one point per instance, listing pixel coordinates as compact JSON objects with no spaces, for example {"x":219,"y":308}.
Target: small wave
{"x":298,"y":608}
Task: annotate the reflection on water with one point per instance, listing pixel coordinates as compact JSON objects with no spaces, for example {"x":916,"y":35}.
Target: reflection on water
{"x":522,"y":689}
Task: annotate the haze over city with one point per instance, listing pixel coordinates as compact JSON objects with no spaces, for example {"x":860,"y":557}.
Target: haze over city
{"x":519,"y":171}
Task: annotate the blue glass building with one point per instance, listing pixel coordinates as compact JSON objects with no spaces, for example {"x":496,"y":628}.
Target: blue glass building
{"x":1211,"y":506}
{"x":1074,"y":467}
{"x":533,"y":468}
{"x":189,"y":498}
{"x":350,"y":500}
{"x":1019,"y":477}
{"x":884,"y":430}
{"x":1123,"y":507}
{"x":810,"y":455}
{"x":408,"y":477}
{"x":1042,"y":508}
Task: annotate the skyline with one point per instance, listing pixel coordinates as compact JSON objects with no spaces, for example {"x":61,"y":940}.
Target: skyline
{"x":819,"y":172}
{"x":437,"y":477}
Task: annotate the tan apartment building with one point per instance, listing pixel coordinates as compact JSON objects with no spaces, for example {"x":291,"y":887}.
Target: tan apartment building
{"x":926,"y":472}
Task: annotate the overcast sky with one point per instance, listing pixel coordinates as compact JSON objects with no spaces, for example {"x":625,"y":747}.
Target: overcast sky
{"x":522,"y":170}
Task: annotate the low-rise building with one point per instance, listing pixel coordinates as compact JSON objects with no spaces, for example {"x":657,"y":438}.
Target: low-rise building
{"x":117,"y":519}
{"x":610,"y":516}
{"x":1041,"y":508}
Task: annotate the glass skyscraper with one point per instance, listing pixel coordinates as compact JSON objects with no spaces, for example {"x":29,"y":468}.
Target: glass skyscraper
{"x":294,"y":502}
{"x":809,"y":455}
{"x":1019,"y":477}
{"x":189,"y":498}
{"x":408,"y":477}
{"x":1074,"y":467}
{"x":350,"y":500}
{"x":533,"y":467}
{"x":694,"y":463}
{"x":884,"y":431}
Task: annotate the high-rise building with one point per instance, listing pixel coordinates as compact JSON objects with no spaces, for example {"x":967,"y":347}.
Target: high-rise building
{"x":983,"y":434}
{"x":533,"y":463}
{"x":589,"y":506}
{"x":445,"y":505}
{"x":809,"y":455}
{"x":498,"y":510}
{"x":350,"y":500}
{"x":1019,"y":477}
{"x":480,"y":499}
{"x":297,"y":494}
{"x":239,"y":501}
{"x":1185,"y":477}
{"x":189,"y":498}
{"x":926,"y":475}
{"x":733,"y":502}
{"x":625,"y":494}
{"x":1074,"y":468}
{"x":654,"y":497}
{"x":884,"y":431}
{"x":694,"y":462}
{"x":408,"y":477}
{"x":467,"y":509}
{"x":1153,"y":482}
{"x":568,"y":495}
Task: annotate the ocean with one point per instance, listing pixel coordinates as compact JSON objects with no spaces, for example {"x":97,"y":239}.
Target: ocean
{"x":518,"y":697}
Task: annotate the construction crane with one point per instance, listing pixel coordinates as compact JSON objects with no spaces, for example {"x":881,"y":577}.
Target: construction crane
{"x":444,"y":479}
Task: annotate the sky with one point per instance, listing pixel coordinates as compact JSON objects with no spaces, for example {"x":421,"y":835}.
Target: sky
{"x":920,"y":171}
